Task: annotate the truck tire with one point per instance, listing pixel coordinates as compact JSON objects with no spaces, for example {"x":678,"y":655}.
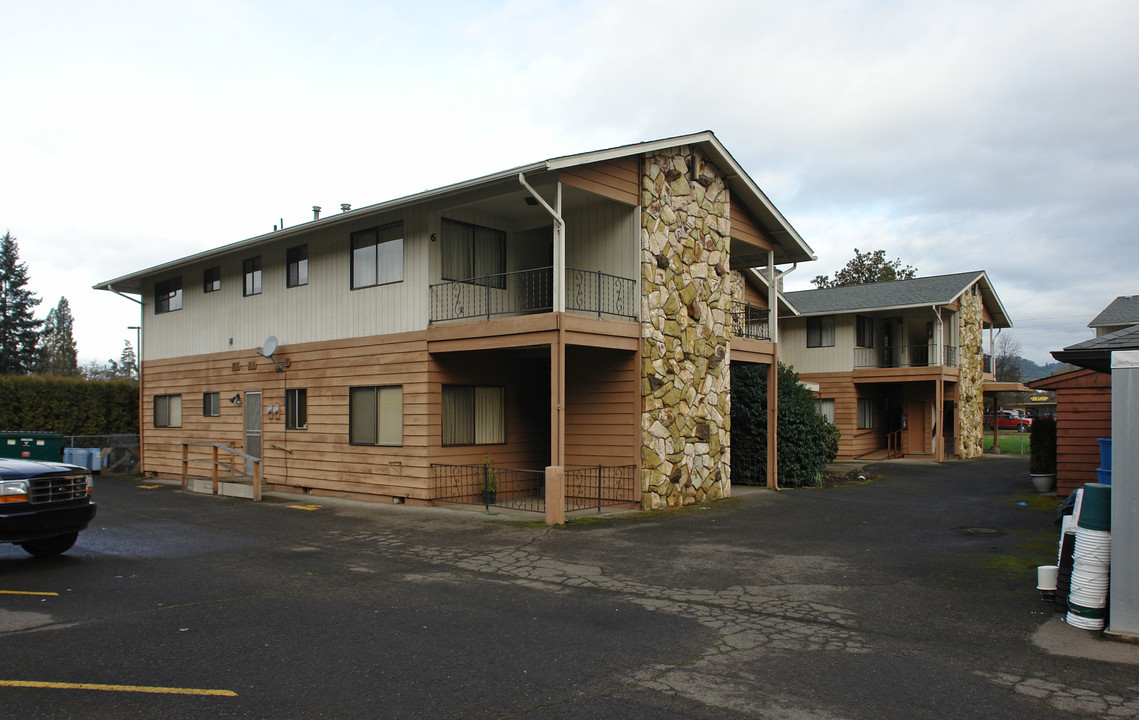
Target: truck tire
{"x":1021,"y":427}
{"x":50,"y":547}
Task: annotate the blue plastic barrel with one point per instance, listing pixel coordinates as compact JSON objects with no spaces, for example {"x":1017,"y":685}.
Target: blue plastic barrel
{"x":69,"y":455}
{"x":1104,"y":476}
{"x":1105,"y":453}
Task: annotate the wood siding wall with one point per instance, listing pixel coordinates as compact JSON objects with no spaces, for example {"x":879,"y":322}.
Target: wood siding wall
{"x":745,"y":227}
{"x":325,"y":309}
{"x":618,"y":179}
{"x":1083,"y":415}
{"x":603,"y":410}
{"x":603,"y":236}
{"x":321,"y":457}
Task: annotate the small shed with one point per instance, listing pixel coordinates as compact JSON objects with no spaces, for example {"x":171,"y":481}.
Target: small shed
{"x":1083,"y":415}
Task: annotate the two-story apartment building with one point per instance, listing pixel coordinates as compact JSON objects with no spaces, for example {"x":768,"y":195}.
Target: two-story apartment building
{"x":900,"y":365}
{"x":578,"y":313}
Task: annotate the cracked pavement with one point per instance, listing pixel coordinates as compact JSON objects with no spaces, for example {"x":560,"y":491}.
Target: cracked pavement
{"x":907,"y":597}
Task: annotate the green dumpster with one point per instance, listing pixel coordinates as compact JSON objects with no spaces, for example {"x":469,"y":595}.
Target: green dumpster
{"x":31,"y":445}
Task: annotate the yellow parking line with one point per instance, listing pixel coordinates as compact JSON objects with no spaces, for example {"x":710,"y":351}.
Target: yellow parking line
{"x":150,"y":487}
{"x":309,"y":508}
{"x":27,"y":592}
{"x":115,"y":688}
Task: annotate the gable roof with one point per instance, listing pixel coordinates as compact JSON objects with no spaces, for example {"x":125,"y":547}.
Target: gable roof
{"x":789,"y":247}
{"x":899,"y":294}
{"x":1095,"y":354}
{"x":1123,"y":310}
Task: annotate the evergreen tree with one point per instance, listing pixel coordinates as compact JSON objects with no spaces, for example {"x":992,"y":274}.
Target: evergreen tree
{"x":128,"y":362}
{"x":58,"y":355}
{"x":19,"y":329}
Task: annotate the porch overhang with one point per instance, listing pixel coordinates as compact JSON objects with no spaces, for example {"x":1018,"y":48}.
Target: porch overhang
{"x":1003,"y":386}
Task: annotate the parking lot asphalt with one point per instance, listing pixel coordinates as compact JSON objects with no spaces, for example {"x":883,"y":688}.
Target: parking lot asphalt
{"x":908,"y":596}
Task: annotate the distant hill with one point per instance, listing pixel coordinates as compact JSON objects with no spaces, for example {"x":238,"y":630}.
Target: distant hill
{"x":1031,"y":371}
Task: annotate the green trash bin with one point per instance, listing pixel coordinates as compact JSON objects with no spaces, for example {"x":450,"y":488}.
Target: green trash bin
{"x":31,"y":445}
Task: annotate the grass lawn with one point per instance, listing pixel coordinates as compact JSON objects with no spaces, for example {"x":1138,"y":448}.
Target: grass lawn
{"x":1012,"y":442}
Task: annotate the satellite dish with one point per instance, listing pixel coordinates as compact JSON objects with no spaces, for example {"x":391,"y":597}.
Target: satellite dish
{"x":270,"y":346}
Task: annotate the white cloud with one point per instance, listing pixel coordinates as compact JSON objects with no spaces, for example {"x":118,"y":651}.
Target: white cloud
{"x":954,"y":135}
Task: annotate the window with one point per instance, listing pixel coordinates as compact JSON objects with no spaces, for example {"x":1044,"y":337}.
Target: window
{"x":377,"y":256}
{"x":474,"y":415}
{"x":251,"y":271}
{"x":297,"y":260}
{"x":825,"y":407}
{"x":296,"y":409}
{"x":211,"y":280}
{"x":375,"y":415}
{"x":865,"y":413}
{"x":211,"y":406}
{"x":167,"y":411}
{"x":864,"y":329}
{"x":168,"y":296}
{"x":470,"y":251}
{"x":820,"y":331}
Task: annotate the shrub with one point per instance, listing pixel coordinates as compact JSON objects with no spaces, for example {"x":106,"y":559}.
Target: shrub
{"x":1042,"y":440}
{"x":68,"y":405}
{"x":807,"y":442}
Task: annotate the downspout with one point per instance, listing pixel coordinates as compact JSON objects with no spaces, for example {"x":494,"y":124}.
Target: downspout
{"x":559,"y":300}
{"x":141,"y":337}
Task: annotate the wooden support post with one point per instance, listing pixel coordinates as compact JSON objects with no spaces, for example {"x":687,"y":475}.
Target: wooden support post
{"x":773,"y":424}
{"x":185,"y":465}
{"x":257,"y":480}
{"x":939,"y":421}
{"x":215,"y":472}
{"x":555,"y":495}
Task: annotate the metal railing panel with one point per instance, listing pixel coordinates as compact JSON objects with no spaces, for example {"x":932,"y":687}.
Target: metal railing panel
{"x":750,"y":321}
{"x":524,"y":292}
{"x":600,"y":486}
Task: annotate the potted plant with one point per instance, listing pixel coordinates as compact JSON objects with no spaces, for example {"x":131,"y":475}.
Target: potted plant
{"x":1042,"y":461}
{"x":490,"y":481}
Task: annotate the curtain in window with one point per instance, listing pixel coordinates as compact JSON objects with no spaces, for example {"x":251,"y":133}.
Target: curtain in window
{"x":457,"y":263}
{"x":490,"y":415}
{"x":458,"y":410}
{"x":825,"y":408}
{"x":362,"y":416}
{"x":390,"y":408}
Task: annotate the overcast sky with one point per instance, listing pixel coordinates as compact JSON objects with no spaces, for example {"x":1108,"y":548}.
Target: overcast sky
{"x":1001,"y":136}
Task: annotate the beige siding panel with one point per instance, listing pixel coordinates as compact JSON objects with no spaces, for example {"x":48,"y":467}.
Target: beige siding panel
{"x":793,"y":348}
{"x":603,"y":235}
{"x":325,"y":309}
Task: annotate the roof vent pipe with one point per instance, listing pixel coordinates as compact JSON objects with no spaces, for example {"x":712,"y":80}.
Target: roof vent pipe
{"x":315,"y":212}
{"x":345,"y":207}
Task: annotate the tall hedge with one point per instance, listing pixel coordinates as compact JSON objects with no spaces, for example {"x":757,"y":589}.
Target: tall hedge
{"x":68,"y":406}
{"x":807,"y":441}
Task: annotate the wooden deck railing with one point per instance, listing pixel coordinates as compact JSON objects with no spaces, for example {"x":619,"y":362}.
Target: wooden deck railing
{"x":215,"y":463}
{"x":894,"y":444}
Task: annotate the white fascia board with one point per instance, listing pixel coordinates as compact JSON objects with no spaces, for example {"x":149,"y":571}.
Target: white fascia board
{"x":987,"y":286}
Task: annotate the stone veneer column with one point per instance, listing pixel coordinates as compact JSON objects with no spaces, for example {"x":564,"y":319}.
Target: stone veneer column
{"x":685,"y":311}
{"x":970,"y":393}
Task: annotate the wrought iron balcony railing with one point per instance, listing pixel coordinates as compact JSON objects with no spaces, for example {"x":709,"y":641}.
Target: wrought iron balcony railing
{"x":750,"y":321}
{"x":902,"y":356}
{"x":526,"y":292}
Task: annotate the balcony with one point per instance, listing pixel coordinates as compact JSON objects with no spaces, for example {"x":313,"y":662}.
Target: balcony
{"x":903,"y":356}
{"x":527,"y":292}
{"x":750,"y":321}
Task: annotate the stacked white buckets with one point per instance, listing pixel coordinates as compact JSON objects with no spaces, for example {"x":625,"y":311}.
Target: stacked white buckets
{"x":1091,"y":559}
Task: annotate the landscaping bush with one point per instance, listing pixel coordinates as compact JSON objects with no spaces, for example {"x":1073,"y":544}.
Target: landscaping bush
{"x":807,"y":442}
{"x":68,"y":405}
{"x":1042,"y":439}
